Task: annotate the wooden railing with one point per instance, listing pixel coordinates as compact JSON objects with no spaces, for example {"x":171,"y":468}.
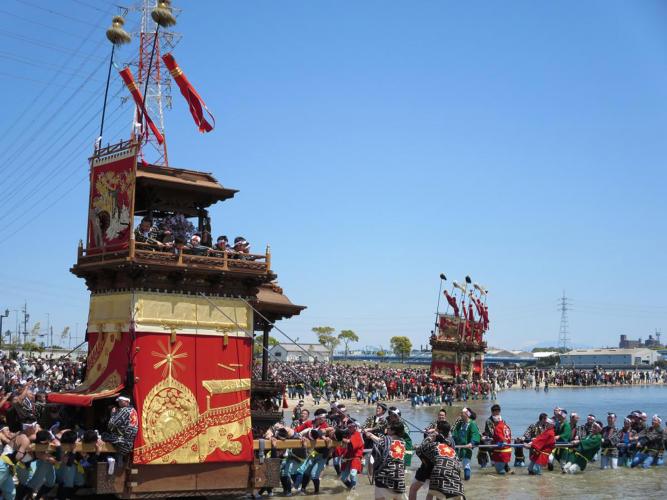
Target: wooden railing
{"x":204,"y":258}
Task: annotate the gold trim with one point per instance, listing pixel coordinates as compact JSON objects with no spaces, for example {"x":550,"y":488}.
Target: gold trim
{"x":226,"y":386}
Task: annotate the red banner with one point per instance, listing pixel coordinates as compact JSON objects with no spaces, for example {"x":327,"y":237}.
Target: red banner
{"x":193,"y":411}
{"x":106,"y":369}
{"x":195,"y":102}
{"x":111,"y":192}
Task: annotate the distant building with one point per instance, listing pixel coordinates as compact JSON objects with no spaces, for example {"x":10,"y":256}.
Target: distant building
{"x":610,"y":358}
{"x":624,"y":343}
{"x":416,"y":357}
{"x":292,"y":353}
{"x":508,"y":358}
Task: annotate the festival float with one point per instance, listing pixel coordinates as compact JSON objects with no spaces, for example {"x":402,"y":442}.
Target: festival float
{"x":172,"y":325}
{"x":457,"y":342}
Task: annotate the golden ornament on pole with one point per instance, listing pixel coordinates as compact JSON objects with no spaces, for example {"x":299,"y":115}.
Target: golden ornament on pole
{"x":116,"y":34}
{"x":162,"y":14}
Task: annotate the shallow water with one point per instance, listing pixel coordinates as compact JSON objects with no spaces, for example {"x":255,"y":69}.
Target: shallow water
{"x":521,"y":408}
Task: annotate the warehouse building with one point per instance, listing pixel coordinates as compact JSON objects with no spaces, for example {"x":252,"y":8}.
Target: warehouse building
{"x":610,"y":358}
{"x":293,"y":353}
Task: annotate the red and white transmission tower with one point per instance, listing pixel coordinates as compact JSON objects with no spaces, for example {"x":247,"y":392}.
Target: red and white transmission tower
{"x":152,"y":43}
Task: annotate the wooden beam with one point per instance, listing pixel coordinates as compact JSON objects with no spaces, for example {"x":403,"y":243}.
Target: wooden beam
{"x":296,"y":443}
{"x":80,"y":447}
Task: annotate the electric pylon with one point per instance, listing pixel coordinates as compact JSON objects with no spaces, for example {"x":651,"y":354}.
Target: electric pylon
{"x":563,"y":333}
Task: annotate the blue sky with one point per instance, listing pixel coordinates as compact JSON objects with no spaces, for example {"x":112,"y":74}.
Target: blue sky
{"x":375,"y":145}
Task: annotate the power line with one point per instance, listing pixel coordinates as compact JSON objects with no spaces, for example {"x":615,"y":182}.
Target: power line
{"x":55,"y":12}
{"x":45,"y":45}
{"x":41,"y":82}
{"x":37,"y":23}
{"x":31,"y":138}
{"x":59,"y":196}
{"x":85,"y":4}
{"x":25,"y":174}
{"x":25,"y":113}
{"x":35,"y":63}
{"x":45,"y":184}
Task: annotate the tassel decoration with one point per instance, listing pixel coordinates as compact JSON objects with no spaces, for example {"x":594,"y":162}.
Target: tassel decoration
{"x":162,"y":14}
{"x":116,"y":34}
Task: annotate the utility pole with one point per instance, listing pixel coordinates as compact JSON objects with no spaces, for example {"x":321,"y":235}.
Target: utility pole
{"x":6,"y":315}
{"x":563,"y":333}
{"x":48,"y":323}
{"x":26,"y":317}
{"x":17,"y":330}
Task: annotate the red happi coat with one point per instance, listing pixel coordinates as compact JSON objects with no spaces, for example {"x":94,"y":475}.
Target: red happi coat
{"x":502,"y":434}
{"x":542,"y":446}
{"x":353,"y":453}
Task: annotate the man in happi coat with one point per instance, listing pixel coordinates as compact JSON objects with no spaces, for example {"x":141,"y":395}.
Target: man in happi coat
{"x":487,"y":436}
{"x":627,"y":443}
{"x":316,"y":460}
{"x":531,"y":433}
{"x":651,"y":444}
{"x":466,"y":434}
{"x":434,"y":433}
{"x":445,"y":477}
{"x":586,"y":429}
{"x":376,"y":424}
{"x":123,"y":427}
{"x":502,"y":437}
{"x":584,"y":450}
{"x":563,"y":435}
{"x":388,"y":463}
{"x":541,"y":447}
{"x":610,"y":440}
{"x":352,"y":454}
{"x":394,"y":417}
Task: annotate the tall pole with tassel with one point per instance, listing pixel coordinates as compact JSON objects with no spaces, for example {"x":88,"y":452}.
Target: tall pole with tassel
{"x":117,"y":36}
{"x":150,"y":74}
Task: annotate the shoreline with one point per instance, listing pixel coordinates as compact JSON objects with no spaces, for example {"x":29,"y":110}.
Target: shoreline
{"x":599,"y":386}
{"x":353,"y":404}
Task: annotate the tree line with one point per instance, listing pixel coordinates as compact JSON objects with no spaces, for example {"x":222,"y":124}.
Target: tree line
{"x":401,"y":346}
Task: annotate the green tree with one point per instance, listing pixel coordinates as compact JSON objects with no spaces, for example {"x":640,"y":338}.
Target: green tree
{"x":401,"y":346}
{"x":381,"y":353}
{"x":326,"y":337}
{"x":347,"y":337}
{"x":257,"y":347}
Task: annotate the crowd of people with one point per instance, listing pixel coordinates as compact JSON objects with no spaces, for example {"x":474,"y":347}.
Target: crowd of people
{"x":26,"y":420}
{"x":371,"y":382}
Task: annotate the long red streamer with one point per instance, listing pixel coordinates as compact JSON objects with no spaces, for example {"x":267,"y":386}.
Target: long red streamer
{"x":195,"y":102}
{"x":126,"y":74}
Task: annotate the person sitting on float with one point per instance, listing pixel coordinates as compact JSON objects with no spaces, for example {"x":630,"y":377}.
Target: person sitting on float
{"x":147,"y":232}
{"x":195,"y":247}
{"x":222,"y":244}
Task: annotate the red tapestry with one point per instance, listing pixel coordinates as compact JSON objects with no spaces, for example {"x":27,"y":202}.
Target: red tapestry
{"x":193,"y":396}
{"x":111,"y":192}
